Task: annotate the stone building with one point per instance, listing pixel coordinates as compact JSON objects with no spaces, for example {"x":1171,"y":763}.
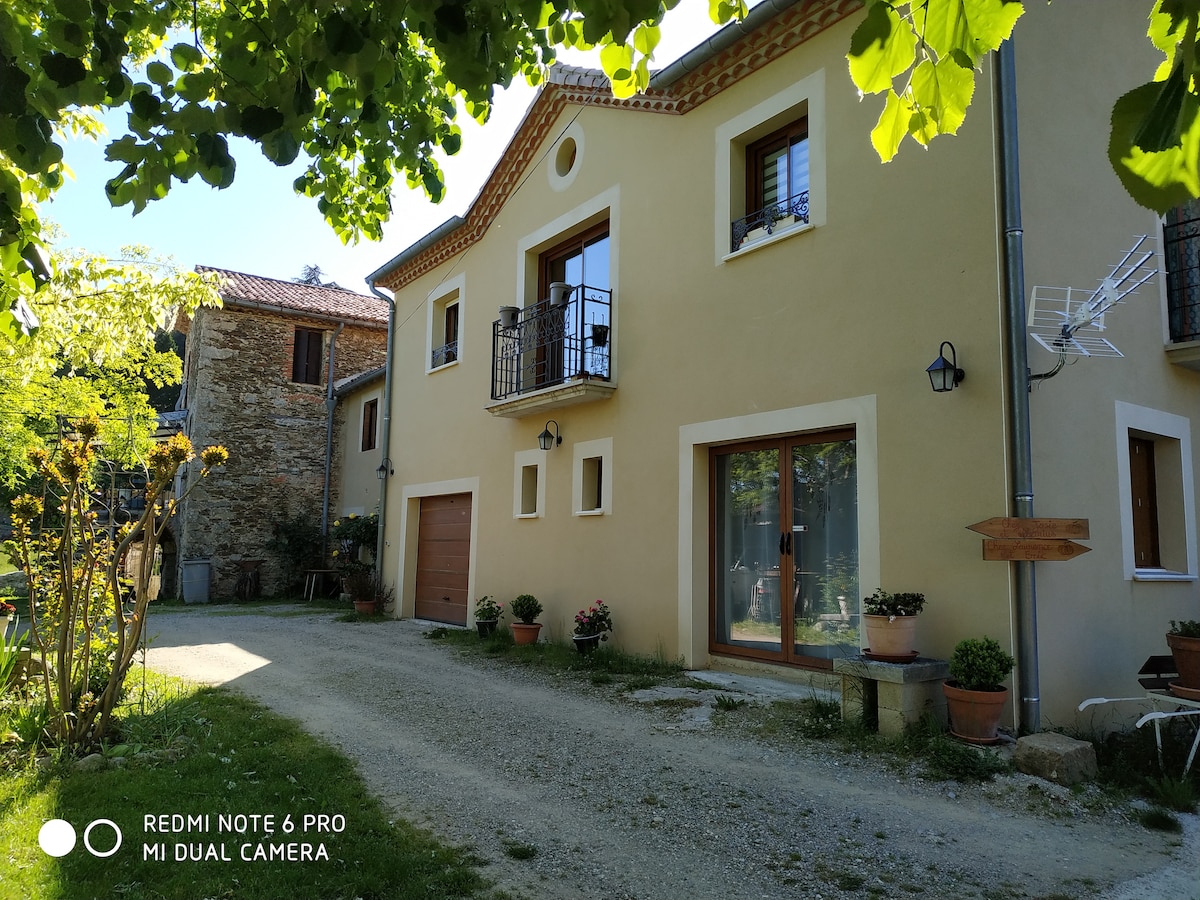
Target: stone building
{"x":257,"y":379}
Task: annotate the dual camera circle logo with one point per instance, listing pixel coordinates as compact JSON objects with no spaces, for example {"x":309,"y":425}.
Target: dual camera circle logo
{"x":57,"y":838}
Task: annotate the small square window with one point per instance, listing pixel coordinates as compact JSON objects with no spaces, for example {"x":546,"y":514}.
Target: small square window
{"x":370,"y":423}
{"x":591,"y":492}
{"x":306,"y":356}
{"x":529,"y":484}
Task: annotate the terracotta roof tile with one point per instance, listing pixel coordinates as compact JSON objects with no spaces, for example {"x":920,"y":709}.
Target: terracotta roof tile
{"x":330,"y":302}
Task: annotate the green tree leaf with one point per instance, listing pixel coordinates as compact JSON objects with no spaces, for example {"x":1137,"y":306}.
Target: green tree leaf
{"x":882,"y":47}
{"x":1163,"y":179}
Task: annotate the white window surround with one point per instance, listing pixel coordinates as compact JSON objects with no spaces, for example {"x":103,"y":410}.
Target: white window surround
{"x":1176,"y":489}
{"x":581,"y":451}
{"x":804,"y":97}
{"x":449,"y":292}
{"x":565,"y":158}
{"x":523,"y":459}
{"x":694,"y":441}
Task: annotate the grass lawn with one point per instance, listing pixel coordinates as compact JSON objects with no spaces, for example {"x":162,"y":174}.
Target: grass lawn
{"x":216,"y":761}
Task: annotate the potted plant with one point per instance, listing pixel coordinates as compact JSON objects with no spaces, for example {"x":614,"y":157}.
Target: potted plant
{"x":526,"y":608}
{"x":487,"y":615}
{"x":975,"y":696}
{"x":890,"y":621}
{"x":362,"y":586}
{"x":592,"y":626}
{"x":1184,"y":641}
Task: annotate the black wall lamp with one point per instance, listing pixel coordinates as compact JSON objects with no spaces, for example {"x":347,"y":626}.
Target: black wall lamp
{"x":385,"y":469}
{"x":548,"y":441}
{"x":944,"y":374}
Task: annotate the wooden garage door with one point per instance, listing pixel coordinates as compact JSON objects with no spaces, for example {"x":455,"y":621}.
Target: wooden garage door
{"x":443,"y":558}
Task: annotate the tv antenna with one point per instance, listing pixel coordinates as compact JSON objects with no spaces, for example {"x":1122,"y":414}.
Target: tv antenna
{"x":1070,"y":322}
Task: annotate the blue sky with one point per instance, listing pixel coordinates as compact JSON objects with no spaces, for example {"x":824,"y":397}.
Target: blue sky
{"x":258,"y":225}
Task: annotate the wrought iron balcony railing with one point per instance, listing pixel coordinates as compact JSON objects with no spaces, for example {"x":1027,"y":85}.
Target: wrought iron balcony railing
{"x":793,"y":209}
{"x":543,"y":345}
{"x":443,"y":355}
{"x":1181,"y":247}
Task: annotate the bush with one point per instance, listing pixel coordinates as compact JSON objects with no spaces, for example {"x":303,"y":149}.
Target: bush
{"x":526,"y":608}
{"x":980,"y":664}
{"x":881,"y":603}
{"x":1187,"y":628}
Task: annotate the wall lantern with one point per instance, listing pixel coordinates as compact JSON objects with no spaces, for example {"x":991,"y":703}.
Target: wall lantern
{"x":548,"y":441}
{"x":944,"y":374}
{"x":385,"y":469}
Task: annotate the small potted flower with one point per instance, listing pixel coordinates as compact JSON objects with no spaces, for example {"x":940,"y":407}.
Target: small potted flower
{"x":974,"y":695}
{"x":526,"y":608}
{"x":487,"y":615}
{"x":7,"y":611}
{"x":1184,"y":641}
{"x":891,"y":625}
{"x":592,"y":626}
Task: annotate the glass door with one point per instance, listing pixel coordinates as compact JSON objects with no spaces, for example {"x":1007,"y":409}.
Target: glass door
{"x":785,"y":549}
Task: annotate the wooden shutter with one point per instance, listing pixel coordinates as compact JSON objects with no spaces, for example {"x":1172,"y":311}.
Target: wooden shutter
{"x":1144,"y":490}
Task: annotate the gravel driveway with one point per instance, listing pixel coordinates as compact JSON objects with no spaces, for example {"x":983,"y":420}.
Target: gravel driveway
{"x":634,"y":800}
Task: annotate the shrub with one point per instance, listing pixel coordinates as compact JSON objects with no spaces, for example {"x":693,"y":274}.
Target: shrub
{"x":1187,"y":628}
{"x":980,"y":664}
{"x":526,"y":608}
{"x":881,"y":603}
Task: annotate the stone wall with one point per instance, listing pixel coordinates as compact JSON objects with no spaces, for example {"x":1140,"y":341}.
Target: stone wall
{"x":239,"y":393}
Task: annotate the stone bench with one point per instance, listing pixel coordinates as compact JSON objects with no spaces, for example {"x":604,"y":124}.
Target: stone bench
{"x":892,"y":695}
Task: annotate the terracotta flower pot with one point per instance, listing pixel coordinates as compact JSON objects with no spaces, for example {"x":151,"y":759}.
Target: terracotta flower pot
{"x":1186,"y":652}
{"x":891,"y":635}
{"x":974,"y":715}
{"x":525,"y":634}
{"x":365,"y":607}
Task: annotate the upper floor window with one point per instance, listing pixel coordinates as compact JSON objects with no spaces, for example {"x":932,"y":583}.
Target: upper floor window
{"x":444,"y":325}
{"x":370,"y":423}
{"x":777,"y":176}
{"x":1181,"y":249}
{"x":306,"y":356}
{"x":770,"y":169}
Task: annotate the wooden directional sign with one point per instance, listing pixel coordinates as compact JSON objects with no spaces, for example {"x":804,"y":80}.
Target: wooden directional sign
{"x":1032,"y":549}
{"x":1030,"y":529}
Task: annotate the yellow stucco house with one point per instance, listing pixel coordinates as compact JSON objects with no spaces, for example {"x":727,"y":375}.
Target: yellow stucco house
{"x":717,"y":308}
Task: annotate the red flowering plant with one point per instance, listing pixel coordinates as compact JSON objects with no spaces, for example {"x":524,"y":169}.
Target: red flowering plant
{"x":6,"y":608}
{"x":595,"y":620}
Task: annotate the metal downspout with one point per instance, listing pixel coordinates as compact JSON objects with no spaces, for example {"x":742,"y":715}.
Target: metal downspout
{"x":1020,"y":453}
{"x":386,"y":443}
{"x":330,"y":403}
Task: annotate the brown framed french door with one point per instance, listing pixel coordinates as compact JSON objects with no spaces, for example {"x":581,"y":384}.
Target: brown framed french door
{"x":783,"y":549}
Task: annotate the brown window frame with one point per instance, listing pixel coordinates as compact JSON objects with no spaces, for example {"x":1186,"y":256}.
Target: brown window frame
{"x":550,"y":356}
{"x":370,"y":424}
{"x":450,"y":325}
{"x":308,"y":348}
{"x":757,"y":152}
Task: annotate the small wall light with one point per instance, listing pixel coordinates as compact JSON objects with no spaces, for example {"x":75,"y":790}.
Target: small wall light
{"x":944,"y":374}
{"x":548,"y":441}
{"x":385,"y":469}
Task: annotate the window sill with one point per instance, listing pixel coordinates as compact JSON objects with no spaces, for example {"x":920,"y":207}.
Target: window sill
{"x":1185,"y":354}
{"x":590,"y":512}
{"x":1161,"y":575}
{"x":533,"y":515}
{"x":569,"y":393}
{"x":442,"y":367}
{"x":781,"y":234}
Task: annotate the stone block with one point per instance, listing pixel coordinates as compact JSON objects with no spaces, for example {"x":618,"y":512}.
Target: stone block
{"x":1056,"y":758}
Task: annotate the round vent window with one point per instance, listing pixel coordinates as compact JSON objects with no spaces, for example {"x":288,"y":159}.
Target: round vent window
{"x":566,"y":158}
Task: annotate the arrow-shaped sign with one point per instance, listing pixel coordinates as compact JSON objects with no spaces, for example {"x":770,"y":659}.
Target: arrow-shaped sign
{"x":1028,"y":529}
{"x":1035,"y":550}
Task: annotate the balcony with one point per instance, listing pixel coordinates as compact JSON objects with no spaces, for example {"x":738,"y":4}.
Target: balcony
{"x":766,"y":221}
{"x":1181,"y":249}
{"x":553,"y":353}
